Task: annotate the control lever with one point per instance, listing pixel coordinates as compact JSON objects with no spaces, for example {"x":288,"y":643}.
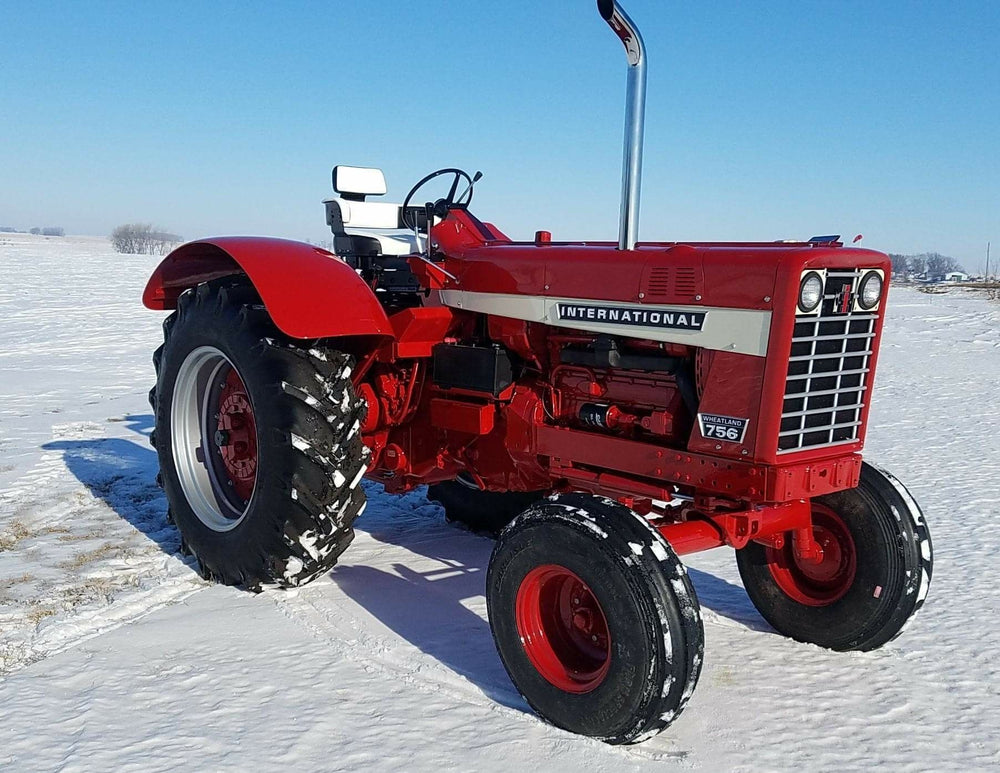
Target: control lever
{"x":475,"y":178}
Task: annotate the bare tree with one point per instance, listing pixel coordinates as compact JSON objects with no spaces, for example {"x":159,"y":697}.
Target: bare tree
{"x":939,"y":265}
{"x":900,"y":265}
{"x":930,"y":264}
{"x":142,"y":239}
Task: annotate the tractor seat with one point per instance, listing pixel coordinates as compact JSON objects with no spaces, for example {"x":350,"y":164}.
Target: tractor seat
{"x":366,"y":228}
{"x":370,"y":222}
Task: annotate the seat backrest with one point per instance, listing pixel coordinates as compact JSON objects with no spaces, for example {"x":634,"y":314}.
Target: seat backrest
{"x":356,"y":182}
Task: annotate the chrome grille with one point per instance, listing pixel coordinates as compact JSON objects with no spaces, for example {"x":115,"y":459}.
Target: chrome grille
{"x":827,"y":385}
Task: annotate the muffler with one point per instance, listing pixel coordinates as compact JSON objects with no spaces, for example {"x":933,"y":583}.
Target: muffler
{"x":635,"y":118}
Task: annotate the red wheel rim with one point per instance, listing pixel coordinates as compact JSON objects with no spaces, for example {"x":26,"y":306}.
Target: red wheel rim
{"x":817,"y":584}
{"x":563,"y":629}
{"x":236,"y":436}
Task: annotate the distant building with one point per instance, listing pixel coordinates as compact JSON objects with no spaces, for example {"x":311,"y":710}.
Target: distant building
{"x":956,"y":276}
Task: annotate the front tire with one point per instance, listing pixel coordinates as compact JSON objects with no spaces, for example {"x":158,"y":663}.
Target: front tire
{"x":594,"y":618}
{"x":874,"y":576}
{"x":258,"y":440}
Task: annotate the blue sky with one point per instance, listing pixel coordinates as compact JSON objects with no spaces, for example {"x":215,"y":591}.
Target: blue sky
{"x":766,"y":120}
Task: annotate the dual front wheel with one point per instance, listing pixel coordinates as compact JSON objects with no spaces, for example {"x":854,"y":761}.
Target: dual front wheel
{"x":598,"y":625}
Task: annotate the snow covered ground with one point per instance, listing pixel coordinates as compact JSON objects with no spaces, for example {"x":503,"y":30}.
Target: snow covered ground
{"x":114,"y":655}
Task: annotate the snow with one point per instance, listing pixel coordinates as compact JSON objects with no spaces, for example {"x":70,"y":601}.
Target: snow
{"x":115,"y":655}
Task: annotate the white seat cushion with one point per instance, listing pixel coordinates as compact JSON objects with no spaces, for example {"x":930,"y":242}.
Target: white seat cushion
{"x":367,"y":214}
{"x":397,"y":243}
{"x":376,"y":220}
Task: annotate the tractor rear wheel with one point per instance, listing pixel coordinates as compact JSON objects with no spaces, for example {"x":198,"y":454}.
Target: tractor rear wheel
{"x":258,"y":441}
{"x":594,"y":618}
{"x":481,"y":511}
{"x":873,"y":576}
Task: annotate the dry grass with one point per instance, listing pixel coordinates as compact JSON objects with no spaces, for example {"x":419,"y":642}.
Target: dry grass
{"x":15,"y":532}
{"x":38,"y":613}
{"x":7,"y":583}
{"x":107,"y":550}
{"x":69,"y":537}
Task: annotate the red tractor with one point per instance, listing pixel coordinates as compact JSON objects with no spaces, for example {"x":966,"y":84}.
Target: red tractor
{"x":605,"y":407}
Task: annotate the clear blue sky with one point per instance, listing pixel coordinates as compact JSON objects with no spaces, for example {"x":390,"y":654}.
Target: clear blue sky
{"x":766,"y":120}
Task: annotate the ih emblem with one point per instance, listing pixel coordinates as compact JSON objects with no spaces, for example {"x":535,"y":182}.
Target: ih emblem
{"x":845,"y":299}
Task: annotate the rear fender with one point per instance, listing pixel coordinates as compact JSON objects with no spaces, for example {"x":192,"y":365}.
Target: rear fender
{"x":308,"y":291}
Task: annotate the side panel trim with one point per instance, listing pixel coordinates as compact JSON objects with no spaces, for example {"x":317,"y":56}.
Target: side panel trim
{"x":744,"y":331}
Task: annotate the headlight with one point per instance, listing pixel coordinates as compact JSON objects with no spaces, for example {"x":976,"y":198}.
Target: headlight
{"x":810,"y":292}
{"x":870,"y":291}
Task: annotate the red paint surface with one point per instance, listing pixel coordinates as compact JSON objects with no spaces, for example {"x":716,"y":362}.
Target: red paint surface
{"x":563,"y":629}
{"x":309,"y":292}
{"x":539,"y":434}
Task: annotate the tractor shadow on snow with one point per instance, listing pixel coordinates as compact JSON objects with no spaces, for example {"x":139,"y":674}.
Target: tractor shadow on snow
{"x":436,"y":602}
{"x":122,"y":474}
{"x":433,"y":599}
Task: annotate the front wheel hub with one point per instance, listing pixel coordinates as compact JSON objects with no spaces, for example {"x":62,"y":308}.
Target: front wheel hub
{"x":821,"y":580}
{"x":563,"y":629}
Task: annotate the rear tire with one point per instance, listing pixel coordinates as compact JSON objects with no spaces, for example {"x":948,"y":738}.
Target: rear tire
{"x":594,"y":618}
{"x":875,"y":575}
{"x":258,"y":440}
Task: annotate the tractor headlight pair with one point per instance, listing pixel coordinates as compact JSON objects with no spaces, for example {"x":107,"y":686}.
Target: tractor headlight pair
{"x":869,"y":291}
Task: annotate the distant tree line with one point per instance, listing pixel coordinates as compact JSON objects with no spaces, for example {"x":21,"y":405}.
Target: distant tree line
{"x":143,"y":239}
{"x":50,"y":231}
{"x":925,"y":264}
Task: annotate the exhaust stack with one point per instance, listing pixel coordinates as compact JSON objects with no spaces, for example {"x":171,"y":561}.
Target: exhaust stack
{"x":635,"y":118}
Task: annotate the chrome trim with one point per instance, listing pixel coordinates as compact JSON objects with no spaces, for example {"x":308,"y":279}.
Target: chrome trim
{"x":854,"y":317}
{"x":821,"y":411}
{"x":823,"y":428}
{"x":831,"y":356}
{"x":849,"y":336}
{"x":635,"y":118}
{"x":831,"y":374}
{"x":823,"y":392}
{"x":818,"y":358}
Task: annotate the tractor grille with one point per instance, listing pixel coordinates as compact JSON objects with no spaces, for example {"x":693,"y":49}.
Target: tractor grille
{"x":827,"y":386}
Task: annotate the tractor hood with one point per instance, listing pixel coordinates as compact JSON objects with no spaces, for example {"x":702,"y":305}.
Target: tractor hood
{"x":738,"y":284}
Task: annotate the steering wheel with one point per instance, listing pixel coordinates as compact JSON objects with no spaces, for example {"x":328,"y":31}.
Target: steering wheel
{"x":447,"y":202}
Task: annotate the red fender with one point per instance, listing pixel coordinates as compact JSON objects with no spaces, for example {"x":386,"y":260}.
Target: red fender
{"x":308,"y":291}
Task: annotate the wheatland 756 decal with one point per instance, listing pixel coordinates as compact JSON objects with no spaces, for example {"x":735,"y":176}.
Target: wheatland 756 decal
{"x":728,"y":428}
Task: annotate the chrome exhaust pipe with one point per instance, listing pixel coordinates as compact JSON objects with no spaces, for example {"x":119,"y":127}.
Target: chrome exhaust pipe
{"x":635,"y":118}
